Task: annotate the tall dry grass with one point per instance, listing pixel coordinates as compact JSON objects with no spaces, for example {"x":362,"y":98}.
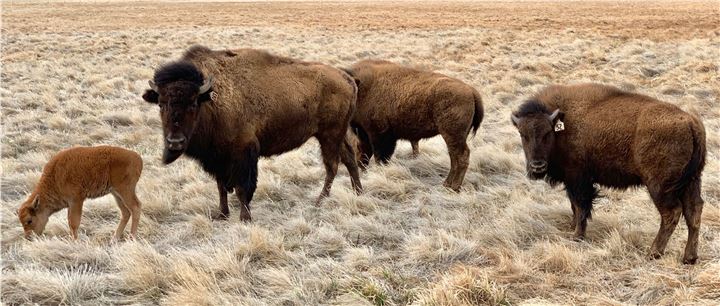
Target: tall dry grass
{"x":502,"y":240}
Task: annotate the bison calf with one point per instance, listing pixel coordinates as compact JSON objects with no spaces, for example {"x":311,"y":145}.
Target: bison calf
{"x":589,"y":134}
{"x":78,"y":173}
{"x":396,"y":102}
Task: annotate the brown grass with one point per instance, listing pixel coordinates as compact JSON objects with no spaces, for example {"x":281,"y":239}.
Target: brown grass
{"x":72,"y":74}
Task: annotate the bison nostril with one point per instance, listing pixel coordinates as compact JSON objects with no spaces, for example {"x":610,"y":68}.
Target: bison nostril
{"x":175,"y":140}
{"x":538,"y":164}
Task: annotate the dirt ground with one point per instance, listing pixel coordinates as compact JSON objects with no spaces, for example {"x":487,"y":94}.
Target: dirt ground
{"x":73,"y":73}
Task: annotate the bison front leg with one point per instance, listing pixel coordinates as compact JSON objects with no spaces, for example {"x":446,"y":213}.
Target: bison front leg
{"x":582,"y":193}
{"x":224,"y":212}
{"x":247,"y":180}
{"x":415,"y":148}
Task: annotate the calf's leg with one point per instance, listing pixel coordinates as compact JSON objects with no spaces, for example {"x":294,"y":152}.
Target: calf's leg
{"x":124,"y":216}
{"x":74,"y":215}
{"x":134,"y":206}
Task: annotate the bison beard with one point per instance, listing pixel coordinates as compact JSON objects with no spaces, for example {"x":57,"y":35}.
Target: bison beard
{"x":231,"y":172}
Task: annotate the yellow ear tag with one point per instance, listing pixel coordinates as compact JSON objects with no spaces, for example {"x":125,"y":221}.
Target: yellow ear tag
{"x":559,"y":126}
{"x":213,"y":96}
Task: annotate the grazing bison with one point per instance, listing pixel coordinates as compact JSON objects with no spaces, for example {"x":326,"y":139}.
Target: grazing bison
{"x":79,"y":173}
{"x":589,"y":134}
{"x":227,"y":108}
{"x":396,"y":102}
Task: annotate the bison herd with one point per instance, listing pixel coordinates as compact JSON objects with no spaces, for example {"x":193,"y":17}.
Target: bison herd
{"x":227,"y":108}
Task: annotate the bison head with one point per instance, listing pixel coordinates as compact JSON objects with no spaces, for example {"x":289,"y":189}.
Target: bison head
{"x":180,"y":90}
{"x":33,"y":217}
{"x":361,"y":143}
{"x":538,"y":137}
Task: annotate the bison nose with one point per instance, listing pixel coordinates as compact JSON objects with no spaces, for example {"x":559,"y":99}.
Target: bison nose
{"x":176,"y":142}
{"x":538,"y":165}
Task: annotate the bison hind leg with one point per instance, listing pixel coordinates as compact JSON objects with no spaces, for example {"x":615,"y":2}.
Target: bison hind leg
{"x":670,"y":209}
{"x":459,"y":160}
{"x":692,"y":210}
{"x":330,"y":149}
{"x":347,"y":156}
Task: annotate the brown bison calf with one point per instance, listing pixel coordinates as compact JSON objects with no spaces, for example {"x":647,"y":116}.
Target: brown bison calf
{"x":79,"y":173}
{"x":226,"y":108}
{"x":589,"y":134}
{"x":396,"y":102}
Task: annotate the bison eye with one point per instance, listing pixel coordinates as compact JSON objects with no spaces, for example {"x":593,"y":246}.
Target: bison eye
{"x":28,"y":222}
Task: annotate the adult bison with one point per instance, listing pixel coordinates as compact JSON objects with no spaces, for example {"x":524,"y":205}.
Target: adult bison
{"x":396,"y":102}
{"x":227,"y":108}
{"x":588,"y":134}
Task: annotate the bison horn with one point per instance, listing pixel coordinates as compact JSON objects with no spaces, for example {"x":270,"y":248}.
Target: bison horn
{"x":206,"y":86}
{"x":153,"y":86}
{"x":554,"y":115}
{"x":515,"y":119}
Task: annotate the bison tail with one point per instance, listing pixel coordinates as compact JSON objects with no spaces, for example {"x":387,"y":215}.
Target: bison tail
{"x":352,"y":76}
{"x":697,"y":159}
{"x":479,"y":112}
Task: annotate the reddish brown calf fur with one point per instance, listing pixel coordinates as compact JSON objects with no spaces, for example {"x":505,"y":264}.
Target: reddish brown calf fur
{"x":79,"y":173}
{"x":617,"y":139}
{"x":396,"y":102}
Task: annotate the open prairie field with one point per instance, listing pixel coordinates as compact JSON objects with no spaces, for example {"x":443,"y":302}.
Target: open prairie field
{"x":73,"y":73}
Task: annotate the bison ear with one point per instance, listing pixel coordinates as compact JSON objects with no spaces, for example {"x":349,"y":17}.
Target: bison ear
{"x":515,"y":120}
{"x":150,"y":96}
{"x":35,"y":205}
{"x":209,"y":96}
{"x":557,"y":115}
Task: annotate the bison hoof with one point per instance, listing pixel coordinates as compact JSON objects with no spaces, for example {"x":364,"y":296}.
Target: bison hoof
{"x":578,"y":238}
{"x":690,"y":260}
{"x":655,"y":254}
{"x":451,"y":187}
{"x":219,"y":216}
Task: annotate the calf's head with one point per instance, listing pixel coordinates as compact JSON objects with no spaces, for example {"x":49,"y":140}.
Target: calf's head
{"x":33,"y":217}
{"x":180,"y":89}
{"x":537,"y":129}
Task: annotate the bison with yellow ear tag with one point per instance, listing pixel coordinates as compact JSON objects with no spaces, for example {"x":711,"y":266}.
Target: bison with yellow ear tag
{"x":588,"y":134}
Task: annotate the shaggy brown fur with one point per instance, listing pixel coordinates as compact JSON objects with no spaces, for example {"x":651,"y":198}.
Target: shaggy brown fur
{"x":79,"y":173}
{"x":396,"y":102}
{"x":617,"y":139}
{"x":263,"y":105}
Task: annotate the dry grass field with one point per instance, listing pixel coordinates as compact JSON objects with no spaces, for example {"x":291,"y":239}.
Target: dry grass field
{"x":73,"y":73}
